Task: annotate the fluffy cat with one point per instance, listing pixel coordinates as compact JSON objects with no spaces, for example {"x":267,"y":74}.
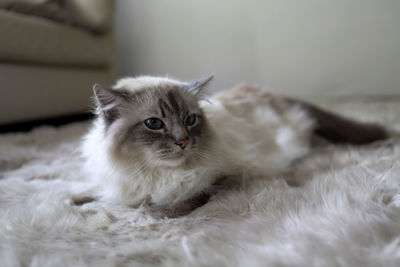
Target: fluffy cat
{"x":156,"y":141}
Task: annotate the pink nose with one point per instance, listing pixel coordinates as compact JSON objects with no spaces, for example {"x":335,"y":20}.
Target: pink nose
{"x":183,"y":143}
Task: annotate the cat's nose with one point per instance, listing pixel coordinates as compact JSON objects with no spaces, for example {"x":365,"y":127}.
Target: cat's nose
{"x":182,"y":143}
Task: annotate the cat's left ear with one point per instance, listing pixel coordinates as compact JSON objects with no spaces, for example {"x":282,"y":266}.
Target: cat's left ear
{"x":196,"y":87}
{"x":107,"y":101}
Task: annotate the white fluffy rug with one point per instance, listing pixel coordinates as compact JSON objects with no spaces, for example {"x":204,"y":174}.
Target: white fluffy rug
{"x":341,"y":207}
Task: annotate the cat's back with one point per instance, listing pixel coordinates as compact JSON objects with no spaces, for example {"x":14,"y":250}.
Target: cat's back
{"x":259,"y":127}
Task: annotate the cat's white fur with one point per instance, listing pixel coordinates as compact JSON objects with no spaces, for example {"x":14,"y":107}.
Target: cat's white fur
{"x":246,"y":140}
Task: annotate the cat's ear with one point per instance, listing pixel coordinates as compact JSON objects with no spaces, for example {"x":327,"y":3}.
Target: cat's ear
{"x":107,"y":102}
{"x":196,"y":87}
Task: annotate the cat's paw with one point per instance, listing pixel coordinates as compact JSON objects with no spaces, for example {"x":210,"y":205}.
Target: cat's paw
{"x":179,"y":210}
{"x":81,"y":200}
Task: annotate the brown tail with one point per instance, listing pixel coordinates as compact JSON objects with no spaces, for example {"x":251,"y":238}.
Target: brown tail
{"x":338,"y":129}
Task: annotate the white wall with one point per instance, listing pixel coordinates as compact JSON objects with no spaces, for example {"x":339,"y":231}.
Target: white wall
{"x":297,"y":47}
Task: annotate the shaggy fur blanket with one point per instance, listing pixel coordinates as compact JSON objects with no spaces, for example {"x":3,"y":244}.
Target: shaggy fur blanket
{"x":339,"y":206}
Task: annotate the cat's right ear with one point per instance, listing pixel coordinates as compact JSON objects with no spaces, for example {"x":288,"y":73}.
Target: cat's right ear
{"x":196,"y":87}
{"x":107,"y":102}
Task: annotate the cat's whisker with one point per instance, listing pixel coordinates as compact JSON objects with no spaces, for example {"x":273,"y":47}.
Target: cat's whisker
{"x":138,"y":170}
{"x":147,"y":164}
{"x":203,"y":155}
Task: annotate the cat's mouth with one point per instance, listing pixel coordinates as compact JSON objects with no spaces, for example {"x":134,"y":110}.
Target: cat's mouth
{"x":174,"y":158}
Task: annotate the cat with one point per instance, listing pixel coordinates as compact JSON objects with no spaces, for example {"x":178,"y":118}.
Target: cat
{"x":158,"y":141}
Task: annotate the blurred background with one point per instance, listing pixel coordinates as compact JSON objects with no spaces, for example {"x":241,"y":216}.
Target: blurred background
{"x":51,"y":52}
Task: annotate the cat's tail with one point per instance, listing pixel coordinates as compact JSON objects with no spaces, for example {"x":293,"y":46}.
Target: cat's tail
{"x":338,"y":129}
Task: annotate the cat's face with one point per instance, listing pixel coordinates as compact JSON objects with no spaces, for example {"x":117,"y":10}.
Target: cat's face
{"x":159,"y":123}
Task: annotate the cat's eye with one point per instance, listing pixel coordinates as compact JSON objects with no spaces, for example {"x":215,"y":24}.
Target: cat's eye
{"x":190,"y":120}
{"x":154,"y":123}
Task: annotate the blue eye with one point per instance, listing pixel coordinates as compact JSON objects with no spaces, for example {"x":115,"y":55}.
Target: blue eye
{"x":190,"y":120}
{"x":154,"y":123}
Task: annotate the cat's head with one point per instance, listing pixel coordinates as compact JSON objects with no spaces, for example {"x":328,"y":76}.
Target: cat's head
{"x":157,"y":121}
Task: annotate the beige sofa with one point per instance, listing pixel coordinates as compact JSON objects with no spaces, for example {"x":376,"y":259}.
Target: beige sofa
{"x":48,"y":67}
